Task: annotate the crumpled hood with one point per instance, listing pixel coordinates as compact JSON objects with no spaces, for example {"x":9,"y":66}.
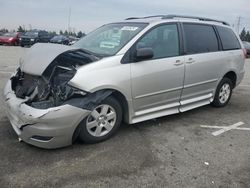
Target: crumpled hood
{"x":39,"y":56}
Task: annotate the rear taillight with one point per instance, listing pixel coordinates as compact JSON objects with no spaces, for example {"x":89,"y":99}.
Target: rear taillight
{"x":245,"y":52}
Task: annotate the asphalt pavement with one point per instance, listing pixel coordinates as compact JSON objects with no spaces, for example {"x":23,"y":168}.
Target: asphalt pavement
{"x":180,"y":150}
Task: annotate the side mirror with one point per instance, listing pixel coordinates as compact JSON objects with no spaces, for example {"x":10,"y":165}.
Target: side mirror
{"x":144,"y":54}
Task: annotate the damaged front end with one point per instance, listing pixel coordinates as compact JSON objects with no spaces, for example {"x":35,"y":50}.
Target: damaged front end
{"x":43,"y":108}
{"x":51,"y":89}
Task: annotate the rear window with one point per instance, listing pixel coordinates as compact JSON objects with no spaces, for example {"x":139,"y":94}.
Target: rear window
{"x":200,"y":38}
{"x":228,"y":38}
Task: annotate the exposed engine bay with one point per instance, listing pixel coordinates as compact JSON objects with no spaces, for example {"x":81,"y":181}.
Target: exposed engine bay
{"x":51,"y":88}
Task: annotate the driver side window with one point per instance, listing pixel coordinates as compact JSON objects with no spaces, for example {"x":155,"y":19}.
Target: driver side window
{"x":163,"y":40}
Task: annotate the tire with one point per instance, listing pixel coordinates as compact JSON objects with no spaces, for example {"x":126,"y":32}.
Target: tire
{"x":223,"y":95}
{"x":99,"y":121}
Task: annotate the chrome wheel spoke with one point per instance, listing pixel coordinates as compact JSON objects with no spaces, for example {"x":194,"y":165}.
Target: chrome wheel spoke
{"x":92,"y":124}
{"x":104,"y":110}
{"x":95,"y":114}
{"x":227,"y":87}
{"x":108,"y":126}
{"x":221,"y":94}
{"x":111,"y":116}
{"x":98,"y":131}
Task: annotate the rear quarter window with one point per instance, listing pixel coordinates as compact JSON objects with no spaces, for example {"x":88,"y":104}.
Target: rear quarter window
{"x":200,"y":38}
{"x":228,"y":39}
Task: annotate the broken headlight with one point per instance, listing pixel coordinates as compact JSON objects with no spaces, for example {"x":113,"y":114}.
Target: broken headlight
{"x":66,"y":91}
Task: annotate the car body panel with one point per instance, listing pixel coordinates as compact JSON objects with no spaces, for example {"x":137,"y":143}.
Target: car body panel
{"x":152,"y":88}
{"x":35,"y":57}
{"x":157,"y":83}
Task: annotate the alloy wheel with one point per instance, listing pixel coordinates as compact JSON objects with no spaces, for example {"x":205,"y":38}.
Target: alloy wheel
{"x":224,"y":93}
{"x":101,"y":120}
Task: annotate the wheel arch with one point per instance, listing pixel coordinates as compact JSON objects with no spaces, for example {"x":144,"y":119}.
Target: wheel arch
{"x":124,"y":104}
{"x":123,"y":99}
{"x":232,"y":76}
{"x":120,"y":98}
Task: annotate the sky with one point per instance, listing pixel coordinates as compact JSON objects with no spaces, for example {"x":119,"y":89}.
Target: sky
{"x":87,"y":15}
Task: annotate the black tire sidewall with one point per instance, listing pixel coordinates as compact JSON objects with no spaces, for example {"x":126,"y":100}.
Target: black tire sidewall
{"x":86,"y":137}
{"x":216,"y":101}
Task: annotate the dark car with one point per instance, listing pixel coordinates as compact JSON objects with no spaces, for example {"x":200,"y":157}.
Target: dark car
{"x":247,"y":47}
{"x":31,"y":37}
{"x":11,"y":38}
{"x":60,"y":39}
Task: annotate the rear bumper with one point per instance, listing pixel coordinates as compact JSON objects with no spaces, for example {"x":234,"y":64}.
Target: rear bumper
{"x":49,"y":128}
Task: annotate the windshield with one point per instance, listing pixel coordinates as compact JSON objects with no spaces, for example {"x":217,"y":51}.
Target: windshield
{"x":31,"y":33}
{"x":9,"y":35}
{"x":109,"y":39}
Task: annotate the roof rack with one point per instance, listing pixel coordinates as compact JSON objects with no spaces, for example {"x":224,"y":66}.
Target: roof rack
{"x":171,"y":16}
{"x":155,"y":16}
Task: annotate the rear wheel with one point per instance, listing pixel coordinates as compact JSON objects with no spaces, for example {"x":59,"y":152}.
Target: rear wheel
{"x":102,"y":122}
{"x":223,"y":93}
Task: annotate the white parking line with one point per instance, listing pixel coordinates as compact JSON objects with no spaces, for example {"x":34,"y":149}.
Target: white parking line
{"x":224,"y":129}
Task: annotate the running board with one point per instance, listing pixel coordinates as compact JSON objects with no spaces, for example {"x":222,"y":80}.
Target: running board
{"x":195,"y":102}
{"x":156,"y":112}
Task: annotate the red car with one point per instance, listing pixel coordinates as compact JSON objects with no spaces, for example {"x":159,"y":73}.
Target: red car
{"x":10,"y":38}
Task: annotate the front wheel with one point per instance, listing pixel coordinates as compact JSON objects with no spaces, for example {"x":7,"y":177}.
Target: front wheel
{"x":102,"y":122}
{"x":223,"y":93}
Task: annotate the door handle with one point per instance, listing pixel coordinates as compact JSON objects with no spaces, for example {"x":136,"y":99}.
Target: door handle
{"x":178,"y":63}
{"x":190,"y":60}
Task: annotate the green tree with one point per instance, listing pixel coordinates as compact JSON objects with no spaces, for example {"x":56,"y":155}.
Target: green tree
{"x":66,"y":33}
{"x":80,"y":34}
{"x":52,"y":33}
{"x":4,"y":30}
{"x":20,"y":29}
{"x":248,"y":36}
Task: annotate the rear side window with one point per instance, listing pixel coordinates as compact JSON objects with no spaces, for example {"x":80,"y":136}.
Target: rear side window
{"x":200,"y":38}
{"x":228,"y":39}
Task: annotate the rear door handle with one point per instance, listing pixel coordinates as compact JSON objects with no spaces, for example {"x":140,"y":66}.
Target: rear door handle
{"x":190,"y":60}
{"x":178,"y":63}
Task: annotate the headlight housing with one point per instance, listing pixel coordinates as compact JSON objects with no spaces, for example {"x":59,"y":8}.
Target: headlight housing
{"x":65,"y":92}
{"x":32,"y":40}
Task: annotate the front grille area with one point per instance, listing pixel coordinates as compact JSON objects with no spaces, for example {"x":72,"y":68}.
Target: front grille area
{"x":26,"y":84}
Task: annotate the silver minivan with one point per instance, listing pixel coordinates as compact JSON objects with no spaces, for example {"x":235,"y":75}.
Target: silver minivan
{"x":131,"y":71}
